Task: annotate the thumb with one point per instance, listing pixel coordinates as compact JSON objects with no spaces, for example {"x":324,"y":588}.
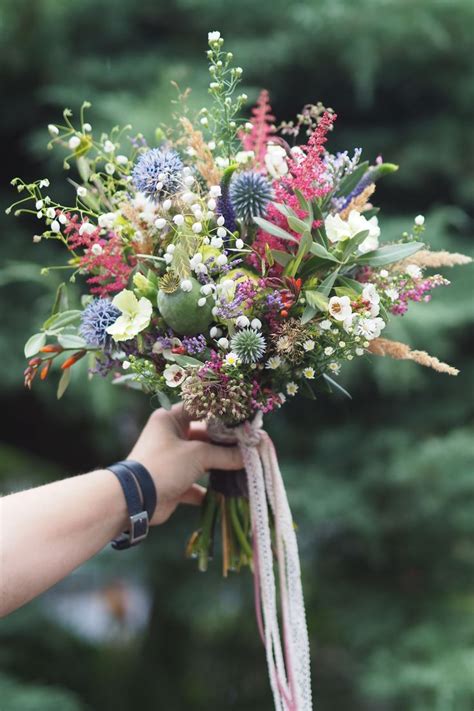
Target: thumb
{"x":213,"y":456}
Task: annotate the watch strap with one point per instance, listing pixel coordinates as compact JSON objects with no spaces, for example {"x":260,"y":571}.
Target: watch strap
{"x":138,"y":517}
{"x":146,"y":484}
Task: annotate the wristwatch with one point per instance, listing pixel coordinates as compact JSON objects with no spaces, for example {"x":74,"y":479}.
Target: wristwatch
{"x":140,"y":494}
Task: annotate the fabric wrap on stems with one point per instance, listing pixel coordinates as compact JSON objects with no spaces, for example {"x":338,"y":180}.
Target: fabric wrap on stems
{"x":288,"y":662}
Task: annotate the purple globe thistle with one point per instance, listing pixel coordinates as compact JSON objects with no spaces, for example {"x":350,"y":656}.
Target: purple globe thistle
{"x":95,"y":319}
{"x":158,"y":172}
{"x":250,"y":194}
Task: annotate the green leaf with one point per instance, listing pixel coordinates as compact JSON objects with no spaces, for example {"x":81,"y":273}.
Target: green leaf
{"x":163,"y":399}
{"x":60,"y":300}
{"x":306,"y":206}
{"x":390,"y":253}
{"x":308,"y":314}
{"x":33,"y":344}
{"x":129,"y":380}
{"x":316,"y":299}
{"x":333,"y":384}
{"x":62,"y":319}
{"x":281,"y":258}
{"x":326,"y":285}
{"x":284,"y":209}
{"x":351,"y":181}
{"x":63,"y":383}
{"x":271,"y":229}
{"x":83,"y":168}
{"x":182,"y":360}
{"x":351,"y":284}
{"x":71,"y":340}
{"x":353,"y":243}
{"x":298,"y":225}
{"x":323,"y":253}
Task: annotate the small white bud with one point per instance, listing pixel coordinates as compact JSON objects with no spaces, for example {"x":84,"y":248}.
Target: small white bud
{"x":55,"y":226}
{"x":204,"y":121}
{"x":96,"y":249}
{"x":220,"y":220}
{"x":223,"y":343}
{"x":221,"y":232}
{"x":160,"y":223}
{"x":39,"y":204}
{"x":211,"y":203}
{"x":215,"y":332}
{"x":109,"y":168}
{"x":239,"y":244}
{"x":206,"y":289}
{"x":256,"y":324}
{"x":74,"y":142}
{"x":122,"y":160}
{"x":419,"y":220}
{"x":53,"y":130}
{"x":87,"y":127}
{"x":242,"y":322}
{"x":178,"y":220}
{"x":186,"y":285}
{"x":188,"y":198}
{"x":197,"y":228}
{"x":221,"y":260}
{"x":188,"y":181}
{"x":215,"y":191}
{"x":109,"y":147}
{"x":168,"y":258}
{"x":202,"y":301}
{"x":170,"y":248}
{"x":217,"y":242}
{"x":81,"y":191}
{"x":167,"y":204}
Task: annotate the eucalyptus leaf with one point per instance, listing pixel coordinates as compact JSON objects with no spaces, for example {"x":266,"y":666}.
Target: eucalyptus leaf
{"x":71,"y":340}
{"x":63,"y":383}
{"x":34,"y":344}
{"x":319,"y":251}
{"x":281,"y":258}
{"x":182,"y":360}
{"x":284,"y":209}
{"x":353,"y":243}
{"x":62,"y":319}
{"x":163,"y":399}
{"x":351,"y":284}
{"x":83,"y":168}
{"x":273,"y":230}
{"x":298,"y":225}
{"x":389,"y":254}
{"x":326,"y":285}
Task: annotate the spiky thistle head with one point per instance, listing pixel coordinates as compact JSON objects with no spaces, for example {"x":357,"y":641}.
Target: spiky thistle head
{"x":250,"y":194}
{"x":157,"y":173}
{"x":98,"y":315}
{"x":248,"y":344}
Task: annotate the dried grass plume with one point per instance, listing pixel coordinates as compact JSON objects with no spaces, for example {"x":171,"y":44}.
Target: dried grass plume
{"x":400,"y":351}
{"x":426,"y":258}
{"x":360,"y":202}
{"x":204,"y":159}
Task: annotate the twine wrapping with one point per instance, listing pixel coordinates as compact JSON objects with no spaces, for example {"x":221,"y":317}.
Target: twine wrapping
{"x":288,"y":664}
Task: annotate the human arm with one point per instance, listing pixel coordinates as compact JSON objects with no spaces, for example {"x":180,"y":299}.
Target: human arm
{"x":47,"y":532}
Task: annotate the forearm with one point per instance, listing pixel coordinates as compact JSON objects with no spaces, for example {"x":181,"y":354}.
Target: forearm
{"x":47,"y":532}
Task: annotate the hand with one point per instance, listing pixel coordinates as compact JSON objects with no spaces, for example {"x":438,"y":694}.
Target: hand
{"x":176,"y":454}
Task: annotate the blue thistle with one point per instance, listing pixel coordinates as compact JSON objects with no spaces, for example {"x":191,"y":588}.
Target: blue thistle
{"x":95,"y":319}
{"x":248,"y":344}
{"x":158,"y":166}
{"x":250,"y":194}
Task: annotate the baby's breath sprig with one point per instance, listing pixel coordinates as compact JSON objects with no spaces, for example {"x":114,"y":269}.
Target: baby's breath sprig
{"x":221,"y":119}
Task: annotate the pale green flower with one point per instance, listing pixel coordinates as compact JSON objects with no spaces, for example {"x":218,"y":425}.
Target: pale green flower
{"x":136,"y":315}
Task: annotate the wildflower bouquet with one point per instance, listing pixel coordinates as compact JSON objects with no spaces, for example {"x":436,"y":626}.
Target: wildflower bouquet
{"x":231,"y":265}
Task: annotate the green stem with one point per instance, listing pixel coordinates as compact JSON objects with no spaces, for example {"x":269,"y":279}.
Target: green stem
{"x":242,"y":538}
{"x":208,"y":517}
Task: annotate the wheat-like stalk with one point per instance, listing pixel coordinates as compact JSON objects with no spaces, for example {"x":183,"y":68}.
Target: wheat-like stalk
{"x":400,"y":351}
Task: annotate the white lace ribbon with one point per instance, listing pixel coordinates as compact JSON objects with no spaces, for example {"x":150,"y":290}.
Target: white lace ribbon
{"x":288,"y":664}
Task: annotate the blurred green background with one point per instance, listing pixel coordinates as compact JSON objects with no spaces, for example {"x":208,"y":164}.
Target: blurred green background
{"x":382,"y":486}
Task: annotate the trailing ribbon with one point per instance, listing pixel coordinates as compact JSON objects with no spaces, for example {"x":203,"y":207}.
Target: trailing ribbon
{"x":288,"y":664}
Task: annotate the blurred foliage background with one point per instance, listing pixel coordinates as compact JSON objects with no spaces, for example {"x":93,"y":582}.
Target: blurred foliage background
{"x":382,"y":486}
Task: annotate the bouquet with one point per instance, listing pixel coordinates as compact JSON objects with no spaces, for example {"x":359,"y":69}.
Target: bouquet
{"x":232,"y":264}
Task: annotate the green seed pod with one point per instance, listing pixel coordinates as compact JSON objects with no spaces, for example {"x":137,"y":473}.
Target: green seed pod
{"x":181,"y":311}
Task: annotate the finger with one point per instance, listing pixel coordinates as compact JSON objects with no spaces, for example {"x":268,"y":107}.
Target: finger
{"x":177,"y":420}
{"x":194,"y":495}
{"x":213,"y":456}
{"x":198,"y":431}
